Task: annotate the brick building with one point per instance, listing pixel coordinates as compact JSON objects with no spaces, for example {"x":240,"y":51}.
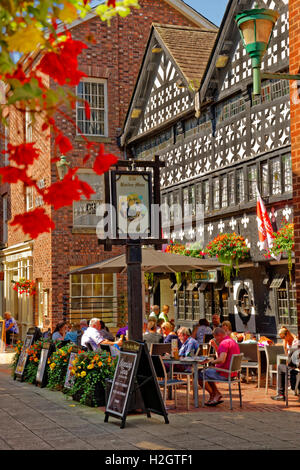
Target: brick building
{"x":111,"y":64}
{"x":294,"y":24}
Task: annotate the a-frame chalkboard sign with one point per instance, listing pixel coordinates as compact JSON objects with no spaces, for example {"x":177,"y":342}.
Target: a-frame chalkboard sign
{"x":41,"y":375}
{"x":134,"y":372}
{"x":32,"y":335}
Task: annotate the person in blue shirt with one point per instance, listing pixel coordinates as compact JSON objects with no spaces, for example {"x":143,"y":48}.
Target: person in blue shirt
{"x":189,"y":345}
{"x":11,"y":327}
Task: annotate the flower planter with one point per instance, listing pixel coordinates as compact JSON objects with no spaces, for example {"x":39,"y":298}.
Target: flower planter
{"x":97,"y":399}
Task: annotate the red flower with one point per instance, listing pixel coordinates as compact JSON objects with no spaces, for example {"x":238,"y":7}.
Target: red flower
{"x":34,"y":222}
{"x":104,"y":161}
{"x":23,"y":154}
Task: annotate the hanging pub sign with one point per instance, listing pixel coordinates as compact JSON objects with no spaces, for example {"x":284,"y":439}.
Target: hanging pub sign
{"x":206,"y":276}
{"x":135,"y":371}
{"x":2,"y":335}
{"x":131,"y":193}
{"x":33,"y":334}
{"x":41,"y":375}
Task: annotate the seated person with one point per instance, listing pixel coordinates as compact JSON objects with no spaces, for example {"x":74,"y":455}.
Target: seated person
{"x":11,"y":327}
{"x":122,"y":331}
{"x":226,"y":348}
{"x":292,"y":363}
{"x":201,"y":330}
{"x":169,"y":334}
{"x":94,"y":335}
{"x":151,"y":335}
{"x":59,"y":332}
{"x":189,"y":345}
{"x":159,"y":323}
{"x":83,"y":324}
{"x":105,"y":332}
{"x":287,"y":337}
{"x":73,"y":334}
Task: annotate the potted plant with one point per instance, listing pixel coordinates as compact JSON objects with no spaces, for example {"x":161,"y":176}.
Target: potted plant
{"x":24,"y":286}
{"x":283,"y":242}
{"x":58,"y":363}
{"x":229,"y":248}
{"x":90,"y":370}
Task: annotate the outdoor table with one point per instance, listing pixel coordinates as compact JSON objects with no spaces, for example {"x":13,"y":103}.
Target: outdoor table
{"x":195,"y":362}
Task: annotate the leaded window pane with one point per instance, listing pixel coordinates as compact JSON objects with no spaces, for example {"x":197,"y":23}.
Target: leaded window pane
{"x":265,"y":179}
{"x":276,"y":175}
{"x":231,"y":189}
{"x":252,"y":181}
{"x":240,"y":186}
{"x":206,"y":198}
{"x":288,"y":175}
{"x":224,"y":191}
{"x":216,"y":193}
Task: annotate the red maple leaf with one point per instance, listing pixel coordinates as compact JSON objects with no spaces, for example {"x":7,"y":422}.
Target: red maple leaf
{"x":64,"y":143}
{"x":111,"y":3}
{"x":34,"y":222}
{"x":104,"y":161}
{"x":63,"y":193}
{"x":10,"y":174}
{"x":23,"y":154}
{"x":62,"y":65}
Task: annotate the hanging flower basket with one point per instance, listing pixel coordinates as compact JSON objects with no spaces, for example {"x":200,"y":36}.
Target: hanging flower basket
{"x":229,"y":248}
{"x":284,"y":242}
{"x":24,"y":286}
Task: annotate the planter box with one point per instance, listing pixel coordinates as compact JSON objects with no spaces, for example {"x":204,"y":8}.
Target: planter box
{"x":97,"y":400}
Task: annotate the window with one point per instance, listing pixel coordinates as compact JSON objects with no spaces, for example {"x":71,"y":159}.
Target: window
{"x":4,"y":218}
{"x":206,"y":198}
{"x":93,"y":295}
{"x":271,"y":90}
{"x":231,"y":189}
{"x":192,"y":200}
{"x":29,"y":197}
{"x":185,"y":196}
{"x":240,"y":186}
{"x":224,"y":191}
{"x":95,"y":93}
{"x":230,"y":108}
{"x":28,"y":126}
{"x":288,"y":175}
{"x":216,"y":193}
{"x":276,"y":176}
{"x":252,"y":182}
{"x":287,"y":307}
{"x":84,"y":211}
{"x":265,"y":179}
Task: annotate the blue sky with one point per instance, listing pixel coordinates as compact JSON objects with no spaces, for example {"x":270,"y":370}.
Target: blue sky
{"x":211,"y":9}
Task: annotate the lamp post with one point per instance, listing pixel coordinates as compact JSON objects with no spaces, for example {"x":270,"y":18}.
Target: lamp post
{"x":256,"y":28}
{"x":62,"y":167}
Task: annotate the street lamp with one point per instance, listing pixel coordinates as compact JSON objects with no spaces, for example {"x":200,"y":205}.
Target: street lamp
{"x":256,"y":27}
{"x":62,"y":167}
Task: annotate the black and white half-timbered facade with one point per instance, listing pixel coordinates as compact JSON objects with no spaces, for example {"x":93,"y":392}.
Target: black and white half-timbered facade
{"x":193,"y":106}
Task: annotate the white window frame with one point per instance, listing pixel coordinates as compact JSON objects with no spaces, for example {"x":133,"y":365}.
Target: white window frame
{"x":81,"y":106}
{"x":28,"y":126}
{"x":5,"y":218}
{"x":29,"y":197}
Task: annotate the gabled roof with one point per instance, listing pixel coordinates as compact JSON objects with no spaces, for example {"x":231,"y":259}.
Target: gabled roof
{"x":190,"y":13}
{"x":187,"y":47}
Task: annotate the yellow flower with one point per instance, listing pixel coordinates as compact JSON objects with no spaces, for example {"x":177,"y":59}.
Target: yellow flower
{"x":83,"y":373}
{"x":52,"y":365}
{"x":90,"y":366}
{"x":100,"y":363}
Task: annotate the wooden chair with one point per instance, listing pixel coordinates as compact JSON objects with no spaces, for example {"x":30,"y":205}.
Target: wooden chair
{"x":271,"y":355}
{"x":165,"y":382}
{"x":235,"y":366}
{"x":251,"y":359}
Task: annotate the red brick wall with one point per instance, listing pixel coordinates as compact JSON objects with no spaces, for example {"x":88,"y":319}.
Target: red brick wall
{"x":116,"y":56}
{"x":294,"y":12}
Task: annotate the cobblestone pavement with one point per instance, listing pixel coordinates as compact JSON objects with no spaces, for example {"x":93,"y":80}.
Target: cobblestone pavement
{"x":32,"y":418}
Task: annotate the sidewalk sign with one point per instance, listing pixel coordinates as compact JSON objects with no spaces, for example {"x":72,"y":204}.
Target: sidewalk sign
{"x":69,"y":380}
{"x":33,"y":334}
{"x":134,"y":371}
{"x":41,"y":375}
{"x":2,"y":336}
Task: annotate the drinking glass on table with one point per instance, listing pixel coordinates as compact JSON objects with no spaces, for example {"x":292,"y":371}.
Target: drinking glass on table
{"x":205,"y":349}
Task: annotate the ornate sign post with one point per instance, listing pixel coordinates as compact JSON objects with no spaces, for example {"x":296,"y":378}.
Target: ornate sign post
{"x":132,"y":218}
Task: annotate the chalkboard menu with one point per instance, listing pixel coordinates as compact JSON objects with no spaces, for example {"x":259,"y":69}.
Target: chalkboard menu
{"x":32,"y":335}
{"x":69,"y":380}
{"x":41,"y":375}
{"x":2,"y":335}
{"x":134,"y":372}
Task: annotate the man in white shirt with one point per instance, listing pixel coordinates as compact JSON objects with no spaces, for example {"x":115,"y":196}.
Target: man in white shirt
{"x":96,"y":336}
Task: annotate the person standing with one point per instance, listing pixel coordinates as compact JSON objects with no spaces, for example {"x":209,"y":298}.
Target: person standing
{"x":164,"y":314}
{"x":11,"y":327}
{"x":154,"y":314}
